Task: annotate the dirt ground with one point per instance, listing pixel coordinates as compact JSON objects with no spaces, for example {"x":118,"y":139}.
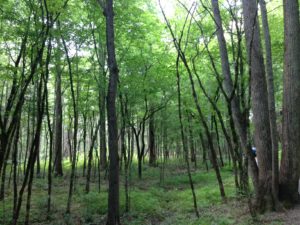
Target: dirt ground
{"x":288,"y":217}
{"x":238,"y":209}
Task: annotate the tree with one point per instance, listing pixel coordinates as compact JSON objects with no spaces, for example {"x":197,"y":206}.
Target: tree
{"x":271,"y":101}
{"x":238,"y":117}
{"x":113,"y":195}
{"x":152,"y":152}
{"x":75,"y":128}
{"x":58,"y":117}
{"x":259,"y":97}
{"x":181,"y":54}
{"x":290,"y":169}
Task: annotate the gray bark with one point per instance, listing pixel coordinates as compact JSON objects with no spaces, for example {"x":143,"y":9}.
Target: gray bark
{"x":113,"y":216}
{"x":289,"y":171}
{"x":238,"y":117}
{"x":271,"y":99}
{"x":259,"y":96}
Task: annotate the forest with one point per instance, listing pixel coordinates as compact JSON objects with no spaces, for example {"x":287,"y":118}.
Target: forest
{"x":157,"y":112}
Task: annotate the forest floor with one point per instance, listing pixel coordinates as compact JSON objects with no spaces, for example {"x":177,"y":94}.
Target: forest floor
{"x":158,"y":199}
{"x":288,"y":217}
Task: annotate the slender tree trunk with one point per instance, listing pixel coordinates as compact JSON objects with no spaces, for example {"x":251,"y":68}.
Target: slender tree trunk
{"x":75,"y":112}
{"x":27,"y":138}
{"x":103,"y":148}
{"x":152,"y":152}
{"x":127,"y":167}
{"x":218,"y":140}
{"x":84,"y":144}
{"x":58,"y":120}
{"x":191,"y":140}
{"x":204,"y":151}
{"x":3,"y":175}
{"x":241,"y":179}
{"x":90,"y":158}
{"x":143,"y":140}
{"x":46,"y":150}
{"x":240,"y":121}
{"x":125,"y":150}
{"x":50,"y":156}
{"x":271,"y":100}
{"x":183,"y":138}
{"x":139,"y":156}
{"x":113,"y":217}
{"x":15,"y":165}
{"x":202,"y":119}
{"x":69,"y":141}
{"x":32,"y":154}
{"x":38,"y":161}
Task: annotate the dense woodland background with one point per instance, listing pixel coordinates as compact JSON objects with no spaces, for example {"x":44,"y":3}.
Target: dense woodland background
{"x":147,"y":112}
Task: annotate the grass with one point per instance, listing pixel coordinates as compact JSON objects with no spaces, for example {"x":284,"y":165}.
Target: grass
{"x":152,"y":201}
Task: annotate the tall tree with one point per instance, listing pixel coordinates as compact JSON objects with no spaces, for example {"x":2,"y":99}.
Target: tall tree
{"x":271,"y":99}
{"x":259,"y":96}
{"x":113,"y":193}
{"x":289,"y":170}
{"x":183,"y":138}
{"x":58,"y":118}
{"x":240,"y":122}
{"x":75,"y":128}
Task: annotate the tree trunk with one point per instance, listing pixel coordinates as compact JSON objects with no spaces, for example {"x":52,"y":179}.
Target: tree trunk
{"x":191,"y":141}
{"x":84,"y":144}
{"x":50,"y":155}
{"x":183,"y":58}
{"x":143,"y":141}
{"x":152,"y":152}
{"x":238,"y":117}
{"x":271,"y":100}
{"x":90,"y":158}
{"x":38,"y":161}
{"x":183,"y":138}
{"x":75,"y":129}
{"x":204,"y":151}
{"x":259,"y":95}
{"x":125,"y":149}
{"x":15,"y":165}
{"x":103,"y":149}
{"x":218,"y":140}
{"x":289,"y":171}
{"x":113,"y":216}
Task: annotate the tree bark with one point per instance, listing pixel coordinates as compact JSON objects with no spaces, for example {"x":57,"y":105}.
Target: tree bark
{"x":218,"y":140}
{"x":58,"y":120}
{"x":183,"y":138}
{"x":191,"y":141}
{"x":113,"y":217}
{"x":103,"y":148}
{"x":84,"y":143}
{"x":90,"y":158}
{"x":271,"y":100}
{"x":75,"y":129}
{"x":238,"y":117}
{"x":289,"y":171}
{"x":152,"y":152}
{"x":259,"y":95}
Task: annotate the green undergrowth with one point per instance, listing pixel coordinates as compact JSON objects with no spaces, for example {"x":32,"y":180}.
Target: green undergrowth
{"x":155,"y":199}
